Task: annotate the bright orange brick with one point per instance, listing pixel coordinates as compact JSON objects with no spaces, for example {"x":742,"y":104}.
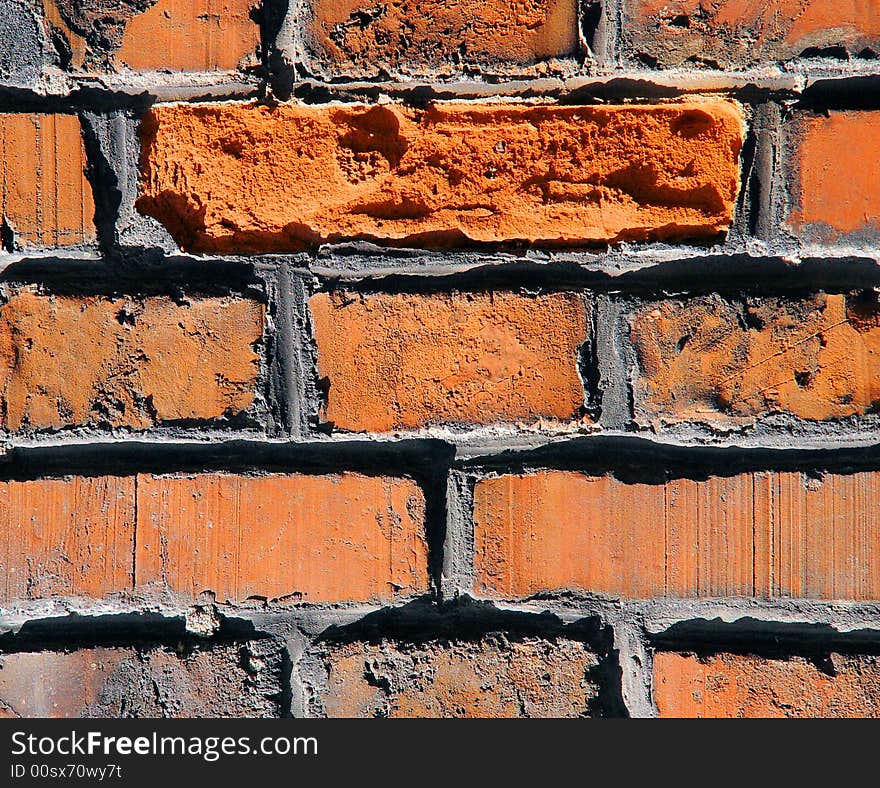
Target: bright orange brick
{"x":711,"y":360}
{"x":728,"y":685}
{"x":253,"y":178}
{"x":768,"y":534}
{"x":67,"y":361}
{"x":312,"y":538}
{"x":66,"y":537}
{"x":403,"y":361}
{"x":45,"y":198}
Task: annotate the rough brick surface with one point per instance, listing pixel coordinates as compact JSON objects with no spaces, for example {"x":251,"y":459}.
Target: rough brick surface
{"x":403,"y":361}
{"x":729,"y":685}
{"x":227,"y":680}
{"x":46,"y":198}
{"x":307,"y":538}
{"x":760,"y":534}
{"x":251,"y":178}
{"x":67,"y":361}
{"x":66,"y":537}
{"x":359,"y":38}
{"x":492,"y":677}
{"x":835,"y":194}
{"x":719,"y":361}
{"x":743,"y":33}
{"x":150,"y":35}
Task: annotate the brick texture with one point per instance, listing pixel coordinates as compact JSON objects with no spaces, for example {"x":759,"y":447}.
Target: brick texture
{"x":125,"y":362}
{"x":731,"y":362}
{"x":493,"y":677}
{"x":46,"y":198}
{"x":835,"y":194}
{"x":407,"y":361}
{"x":759,"y":534}
{"x":228,"y":680}
{"x":156,"y":35}
{"x":358,"y":38}
{"x":729,"y":685}
{"x":454,"y":173}
{"x":283,"y":536}
{"x":277,"y":536}
{"x":743,"y":33}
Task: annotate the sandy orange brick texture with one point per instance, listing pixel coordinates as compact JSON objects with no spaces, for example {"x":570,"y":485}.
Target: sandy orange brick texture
{"x":764,"y":534}
{"x":407,"y":361}
{"x":496,"y":676}
{"x":730,"y":685}
{"x":45,"y":198}
{"x":358,"y":38}
{"x":339,"y":537}
{"x":252,"y":178}
{"x":742,"y":33}
{"x":157,"y":35}
{"x":709,"y":359}
{"x":125,"y":362}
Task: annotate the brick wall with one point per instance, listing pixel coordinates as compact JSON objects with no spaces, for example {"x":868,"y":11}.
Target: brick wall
{"x":439,"y":358}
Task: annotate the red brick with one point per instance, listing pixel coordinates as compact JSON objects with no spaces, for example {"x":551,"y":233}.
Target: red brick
{"x":836,"y":193}
{"x":722,"y":362}
{"x":334,"y":538}
{"x":742,"y":33}
{"x":492,"y":677}
{"x":358,"y":38}
{"x":228,"y":680}
{"x":764,"y":534}
{"x":157,"y":35}
{"x":309,"y":538}
{"x":45,"y":197}
{"x":404,"y":361}
{"x":729,"y":685}
{"x":67,"y":361}
{"x":66,"y":537}
{"x":254,"y":178}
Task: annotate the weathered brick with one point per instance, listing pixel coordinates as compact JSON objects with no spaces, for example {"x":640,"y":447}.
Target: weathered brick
{"x":729,"y":685}
{"x":404,"y":361}
{"x":309,"y":538}
{"x":835,"y":193}
{"x":225,"y":680}
{"x":66,"y":537}
{"x":46,"y":198}
{"x":253,"y":178}
{"x":493,"y":677}
{"x":132,"y":362}
{"x":359,"y":38}
{"x":718,"y":361}
{"x":157,"y":35}
{"x":765,"y":534}
{"x":742,"y":33}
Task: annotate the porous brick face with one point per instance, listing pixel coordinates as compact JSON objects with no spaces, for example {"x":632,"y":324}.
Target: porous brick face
{"x":453,"y":173}
{"x":276,"y":536}
{"x":361,"y":39}
{"x":492,"y":677}
{"x":227,"y":680}
{"x":730,"y":685}
{"x":125,"y":362}
{"x":728,"y":362}
{"x":409,"y":361}
{"x":744,"y":33}
{"x":46,"y":198}
{"x":764,"y":534}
